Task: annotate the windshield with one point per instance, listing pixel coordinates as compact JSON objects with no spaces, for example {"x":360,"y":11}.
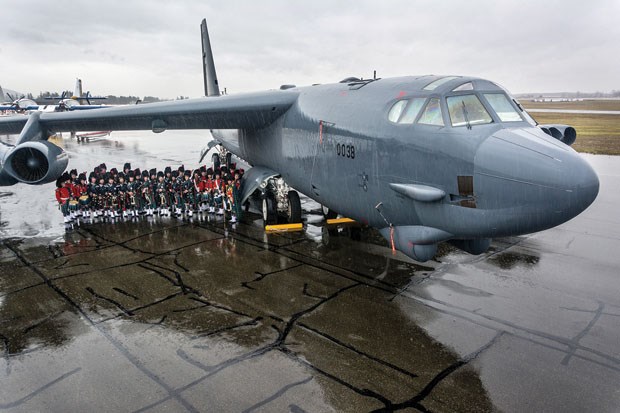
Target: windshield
{"x":467,"y":110}
{"x":432,"y":113}
{"x":502,"y":106}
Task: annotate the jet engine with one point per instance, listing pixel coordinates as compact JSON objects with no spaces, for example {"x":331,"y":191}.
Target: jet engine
{"x":34,"y":162}
{"x":563,"y":133}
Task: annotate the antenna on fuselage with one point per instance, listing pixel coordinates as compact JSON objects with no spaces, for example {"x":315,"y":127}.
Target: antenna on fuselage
{"x":208,"y":66}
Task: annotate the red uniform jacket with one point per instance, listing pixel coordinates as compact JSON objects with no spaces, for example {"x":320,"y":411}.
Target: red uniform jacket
{"x":79,"y":190}
{"x":62,"y":194}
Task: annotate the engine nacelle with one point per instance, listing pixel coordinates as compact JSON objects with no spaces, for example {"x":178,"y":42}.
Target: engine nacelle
{"x":563,"y":133}
{"x":34,"y":162}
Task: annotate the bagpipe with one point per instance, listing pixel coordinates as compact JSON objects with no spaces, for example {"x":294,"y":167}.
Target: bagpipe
{"x":162,"y":198}
{"x":132,"y":199}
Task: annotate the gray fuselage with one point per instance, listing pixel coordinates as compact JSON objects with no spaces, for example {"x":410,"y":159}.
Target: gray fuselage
{"x":336,"y":145}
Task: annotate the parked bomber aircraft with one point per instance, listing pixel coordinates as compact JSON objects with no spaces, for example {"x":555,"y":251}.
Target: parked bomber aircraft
{"x":424,"y":159}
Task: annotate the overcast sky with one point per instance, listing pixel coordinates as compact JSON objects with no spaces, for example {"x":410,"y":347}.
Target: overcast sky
{"x":149,"y":47}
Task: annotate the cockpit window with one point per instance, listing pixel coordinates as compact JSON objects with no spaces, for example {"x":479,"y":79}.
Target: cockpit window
{"x":432,"y":113}
{"x":396,"y":110}
{"x":501,"y":105}
{"x":528,"y":118}
{"x":434,"y":85}
{"x":467,"y":110}
{"x":464,"y":86}
{"x":412,"y":110}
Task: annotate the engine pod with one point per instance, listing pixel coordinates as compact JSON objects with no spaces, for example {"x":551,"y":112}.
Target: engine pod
{"x":35,"y":162}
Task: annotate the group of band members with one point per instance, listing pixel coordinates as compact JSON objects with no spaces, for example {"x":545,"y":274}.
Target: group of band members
{"x":132,"y":193}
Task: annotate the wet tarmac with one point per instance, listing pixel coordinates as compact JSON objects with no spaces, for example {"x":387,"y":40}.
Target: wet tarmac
{"x":176,"y":315}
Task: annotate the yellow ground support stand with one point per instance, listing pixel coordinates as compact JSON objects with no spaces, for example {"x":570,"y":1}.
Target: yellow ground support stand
{"x":337,"y":221}
{"x":284,"y":227}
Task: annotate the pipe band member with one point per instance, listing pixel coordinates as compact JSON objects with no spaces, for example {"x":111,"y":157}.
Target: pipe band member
{"x":63,"y":195}
{"x":133,"y":188}
{"x":161,"y":195}
{"x":188,"y":192}
{"x":80,"y":192}
{"x":148,"y":204}
{"x":218,"y":193}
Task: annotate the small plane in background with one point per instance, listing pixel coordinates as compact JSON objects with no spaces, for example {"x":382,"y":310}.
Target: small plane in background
{"x":16,"y":104}
{"x":73,"y":102}
{"x":65,"y":102}
{"x":424,"y":159}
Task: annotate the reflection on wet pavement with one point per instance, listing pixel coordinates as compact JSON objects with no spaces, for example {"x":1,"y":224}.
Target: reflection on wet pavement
{"x":201,"y":316}
{"x":173,"y":315}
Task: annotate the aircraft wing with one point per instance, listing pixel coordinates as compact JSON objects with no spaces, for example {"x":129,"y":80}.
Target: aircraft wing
{"x":243,"y":111}
{"x":11,"y":106}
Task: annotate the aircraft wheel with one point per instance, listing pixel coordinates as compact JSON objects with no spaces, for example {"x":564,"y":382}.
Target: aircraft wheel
{"x":270,"y":209}
{"x":294,"y":208}
{"x":228,"y":160}
{"x":215,"y":159}
{"x":328,"y":213}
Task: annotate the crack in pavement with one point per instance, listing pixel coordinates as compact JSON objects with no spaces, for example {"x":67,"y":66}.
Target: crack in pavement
{"x":416,"y":401}
{"x":117,"y":344}
{"x":572,"y":344}
{"x":41,"y":389}
{"x":276,"y":395}
{"x":359,"y":352}
{"x":261,"y":276}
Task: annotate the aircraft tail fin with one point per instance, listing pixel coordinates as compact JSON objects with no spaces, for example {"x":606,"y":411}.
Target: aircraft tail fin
{"x":1,"y":95}
{"x":212,"y":87}
{"x":78,"y":88}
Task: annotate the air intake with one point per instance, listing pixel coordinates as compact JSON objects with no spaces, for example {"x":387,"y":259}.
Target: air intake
{"x":30,"y":164}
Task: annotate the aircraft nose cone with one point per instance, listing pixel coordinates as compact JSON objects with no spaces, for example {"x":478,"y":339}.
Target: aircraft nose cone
{"x":534,"y":181}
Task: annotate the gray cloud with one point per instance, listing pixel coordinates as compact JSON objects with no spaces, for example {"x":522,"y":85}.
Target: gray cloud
{"x":153,"y":47}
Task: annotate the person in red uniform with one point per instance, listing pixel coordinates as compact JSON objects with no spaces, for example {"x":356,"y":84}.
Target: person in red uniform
{"x":63,"y":196}
{"x":218,"y":190}
{"x":80,"y":193}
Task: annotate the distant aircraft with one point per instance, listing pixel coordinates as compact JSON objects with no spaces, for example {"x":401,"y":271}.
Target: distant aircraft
{"x":424,"y":159}
{"x":65,"y":103}
{"x":15,"y":103}
{"x":74,"y":102}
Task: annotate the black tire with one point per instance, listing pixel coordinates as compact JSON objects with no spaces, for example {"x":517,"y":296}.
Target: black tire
{"x":328,"y":213}
{"x":270,"y":209}
{"x":215,"y":159}
{"x":228,"y":160}
{"x":294,"y":208}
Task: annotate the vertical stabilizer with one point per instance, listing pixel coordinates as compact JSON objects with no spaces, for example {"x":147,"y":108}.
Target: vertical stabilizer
{"x":78,"y":88}
{"x":2,"y":95}
{"x":212,"y":88}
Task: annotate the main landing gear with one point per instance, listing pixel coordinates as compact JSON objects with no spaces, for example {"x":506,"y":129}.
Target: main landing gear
{"x":279,"y":201}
